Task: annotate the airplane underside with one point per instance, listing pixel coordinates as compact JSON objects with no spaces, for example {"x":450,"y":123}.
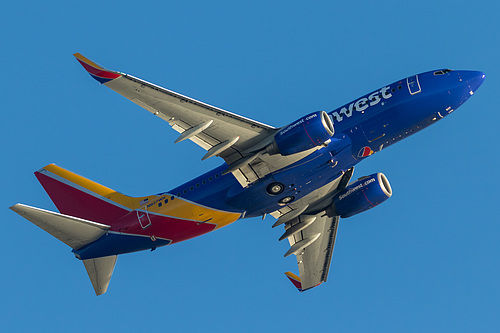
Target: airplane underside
{"x":299,"y":173}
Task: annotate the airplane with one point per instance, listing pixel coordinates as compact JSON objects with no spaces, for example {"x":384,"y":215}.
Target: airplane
{"x":299,"y":173}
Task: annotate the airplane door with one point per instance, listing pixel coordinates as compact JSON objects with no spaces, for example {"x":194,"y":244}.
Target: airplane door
{"x":143,"y":217}
{"x":413,"y":84}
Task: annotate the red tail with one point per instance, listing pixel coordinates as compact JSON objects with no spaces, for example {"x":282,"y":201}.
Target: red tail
{"x":78,"y":196}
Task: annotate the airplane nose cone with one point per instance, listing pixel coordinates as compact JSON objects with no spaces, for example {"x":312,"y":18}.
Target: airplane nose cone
{"x":474,"y":79}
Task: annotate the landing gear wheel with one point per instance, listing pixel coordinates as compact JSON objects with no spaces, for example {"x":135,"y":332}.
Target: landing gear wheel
{"x":275,"y":188}
{"x":286,"y":200}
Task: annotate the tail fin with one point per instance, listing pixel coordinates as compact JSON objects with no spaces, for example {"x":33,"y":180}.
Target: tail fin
{"x":76,"y":233}
{"x":78,"y":196}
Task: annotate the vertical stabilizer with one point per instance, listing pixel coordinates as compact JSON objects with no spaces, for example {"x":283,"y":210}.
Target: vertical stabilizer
{"x":100,"y":271}
{"x":77,"y":196}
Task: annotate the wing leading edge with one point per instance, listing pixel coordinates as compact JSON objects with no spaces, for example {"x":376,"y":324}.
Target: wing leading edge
{"x":240,"y":141}
{"x":218,"y":131}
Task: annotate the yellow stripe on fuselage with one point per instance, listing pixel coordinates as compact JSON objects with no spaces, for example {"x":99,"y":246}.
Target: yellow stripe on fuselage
{"x":178,"y":208}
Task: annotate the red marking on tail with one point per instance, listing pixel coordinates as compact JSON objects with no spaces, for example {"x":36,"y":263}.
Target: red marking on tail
{"x":72,"y":201}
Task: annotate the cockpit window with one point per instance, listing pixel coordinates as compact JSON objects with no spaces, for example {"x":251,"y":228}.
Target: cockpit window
{"x":443,"y":71}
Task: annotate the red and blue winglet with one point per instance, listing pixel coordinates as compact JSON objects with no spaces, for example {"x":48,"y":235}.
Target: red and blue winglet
{"x":99,"y":73}
{"x":295,"y":280}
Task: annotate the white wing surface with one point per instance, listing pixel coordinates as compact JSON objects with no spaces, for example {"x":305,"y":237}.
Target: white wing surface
{"x":313,"y":247}
{"x":312,"y":232}
{"x":220,"y":132}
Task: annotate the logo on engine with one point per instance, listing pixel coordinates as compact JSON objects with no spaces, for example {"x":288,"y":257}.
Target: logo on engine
{"x":354,"y":189}
{"x":301,"y":121}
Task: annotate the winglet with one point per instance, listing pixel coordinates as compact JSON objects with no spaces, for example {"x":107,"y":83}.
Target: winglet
{"x":295,"y":280}
{"x":98,"y":72}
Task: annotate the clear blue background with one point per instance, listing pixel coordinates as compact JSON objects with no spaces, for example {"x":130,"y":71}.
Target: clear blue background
{"x":426,"y":260}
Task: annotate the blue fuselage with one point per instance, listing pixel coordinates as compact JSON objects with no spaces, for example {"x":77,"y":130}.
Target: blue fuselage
{"x":362,"y":127}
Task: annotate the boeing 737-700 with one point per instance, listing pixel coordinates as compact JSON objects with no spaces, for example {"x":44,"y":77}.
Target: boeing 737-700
{"x":299,"y":173}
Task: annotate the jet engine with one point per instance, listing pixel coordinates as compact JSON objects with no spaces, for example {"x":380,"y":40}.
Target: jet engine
{"x":308,"y":132}
{"x":365,"y":193}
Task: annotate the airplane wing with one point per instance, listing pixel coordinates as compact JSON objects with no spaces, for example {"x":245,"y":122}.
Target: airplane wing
{"x":240,"y":141}
{"x":220,"y":132}
{"x":312,"y":232}
{"x":314,"y":259}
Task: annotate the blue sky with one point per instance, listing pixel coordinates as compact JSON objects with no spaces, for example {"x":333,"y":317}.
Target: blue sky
{"x":425,"y":260}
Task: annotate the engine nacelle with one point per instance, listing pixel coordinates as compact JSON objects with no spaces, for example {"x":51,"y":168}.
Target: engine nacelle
{"x":365,"y":193}
{"x":308,"y":132}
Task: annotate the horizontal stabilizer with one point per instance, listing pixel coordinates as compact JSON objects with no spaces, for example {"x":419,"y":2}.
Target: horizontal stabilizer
{"x":70,"y":230}
{"x":295,"y":280}
{"x":100,"y":271}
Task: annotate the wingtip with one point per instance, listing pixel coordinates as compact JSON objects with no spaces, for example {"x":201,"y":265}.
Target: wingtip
{"x":81,"y":58}
{"x":16,"y":207}
{"x":95,"y":70}
{"x":295,"y":280}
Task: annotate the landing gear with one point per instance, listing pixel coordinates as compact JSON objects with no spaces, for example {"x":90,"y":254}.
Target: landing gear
{"x":275,"y":188}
